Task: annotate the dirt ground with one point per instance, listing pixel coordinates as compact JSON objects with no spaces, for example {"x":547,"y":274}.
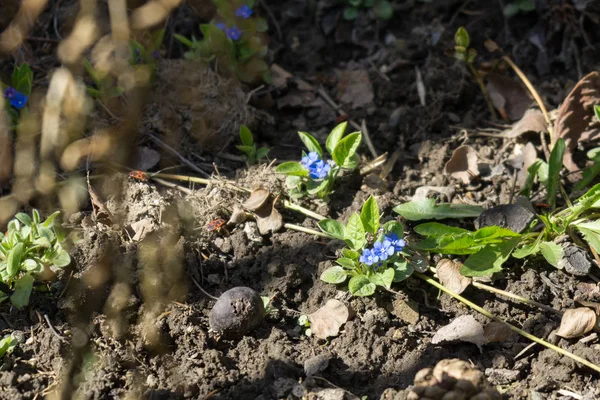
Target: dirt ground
{"x":127,"y":320}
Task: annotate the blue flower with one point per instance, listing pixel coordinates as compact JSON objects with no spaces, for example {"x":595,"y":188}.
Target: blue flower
{"x":383,"y":250}
{"x":234,"y":33}
{"x":155,"y":54}
{"x":319,"y":170}
{"x":243,"y":12}
{"x":10,"y":92}
{"x":368,"y":257}
{"x":221,"y":26}
{"x":308,"y":160}
{"x":397,"y":243}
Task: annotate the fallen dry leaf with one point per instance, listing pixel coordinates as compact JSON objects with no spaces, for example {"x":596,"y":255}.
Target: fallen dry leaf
{"x":268,"y":222}
{"x":576,"y":322}
{"x":590,"y":304}
{"x":508,"y":96}
{"x":448,"y":273}
{"x":463,"y":164}
{"x":464,"y":328}
{"x":496,"y":332}
{"x":575,"y":121}
{"x":532,"y":121}
{"x":354,"y":88}
{"x":141,"y":228}
{"x":327,"y":320}
{"x":238,"y":216}
{"x":257,"y":199}
{"x":406,"y":310}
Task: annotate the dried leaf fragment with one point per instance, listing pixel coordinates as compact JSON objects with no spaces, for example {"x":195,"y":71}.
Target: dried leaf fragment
{"x":269,"y":222}
{"x":496,"y":332}
{"x":464,"y":328}
{"x":463,"y":164}
{"x":448,"y":273}
{"x":575,"y":121}
{"x":327,"y":320}
{"x":508,"y":96}
{"x":257,"y":199}
{"x":533,"y":121}
{"x":576,"y":322}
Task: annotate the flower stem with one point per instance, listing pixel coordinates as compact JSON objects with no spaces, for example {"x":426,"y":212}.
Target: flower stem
{"x":513,"y":328}
{"x":291,"y":206}
{"x":307,"y":230}
{"x":483,"y":89}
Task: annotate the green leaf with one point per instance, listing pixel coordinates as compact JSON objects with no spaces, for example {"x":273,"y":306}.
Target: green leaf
{"x":489,"y":259}
{"x":36,"y":216}
{"x":532,"y":172}
{"x":30,"y":265}
{"x":597,"y":112}
{"x":350,"y":13}
{"x":394,"y":227}
{"x":23,"y":287}
{"x":488,"y":233}
{"x":7,"y":343}
{"x":292,"y":168}
{"x":346,"y":262}
{"x":346,"y":148}
{"x":383,"y":10}
{"x":62,"y":258}
{"x":354,"y":3}
{"x":334,"y":275}
{"x":184,"y":40}
{"x":246,"y":136}
{"x":592,"y":171}
{"x":14,"y":259}
{"x":527,"y":250}
{"x":369,"y":215}
{"x":311,"y":143}
{"x":461,"y":38}
{"x":383,"y":278}
{"x":351,"y":254}
{"x":402,"y":270}
{"x":24,"y":218}
{"x":592,"y":237}
{"x":427,"y":209}
{"x":247,"y":150}
{"x":436,"y":229}
{"x":552,"y":252}
{"x":360,"y":285}
{"x":262,"y":153}
{"x":335,"y":136}
{"x":355,"y":232}
{"x":554,"y":166}
{"x":333,"y":228}
{"x":157,"y":38}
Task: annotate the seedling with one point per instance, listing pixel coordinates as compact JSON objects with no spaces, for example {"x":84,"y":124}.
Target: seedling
{"x":253,"y":155}
{"x":304,"y":324}
{"x":518,"y":6}
{"x":19,"y":90}
{"x":236,"y":39}
{"x":467,"y":55}
{"x":30,"y":249}
{"x":314,"y":175}
{"x":373,"y":256}
{"x":382,"y":9}
{"x":7,"y":344}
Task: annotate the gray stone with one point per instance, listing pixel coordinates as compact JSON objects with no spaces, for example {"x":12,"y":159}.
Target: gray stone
{"x":512,"y":216}
{"x":575,"y":261}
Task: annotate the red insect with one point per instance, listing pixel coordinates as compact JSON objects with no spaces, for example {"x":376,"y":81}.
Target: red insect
{"x":139,"y":176}
{"x":215,"y":225}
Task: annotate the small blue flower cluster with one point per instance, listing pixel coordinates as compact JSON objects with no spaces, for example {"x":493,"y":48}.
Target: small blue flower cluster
{"x":317,"y":168}
{"x":233,"y":32}
{"x":380,"y":252}
{"x":17,"y":99}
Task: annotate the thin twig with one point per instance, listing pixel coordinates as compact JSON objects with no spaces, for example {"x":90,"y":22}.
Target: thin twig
{"x":307,"y":230}
{"x":513,"y":328}
{"x":516,"y":297}
{"x":365,"y":132}
{"x":291,"y":206}
{"x":178,"y":155}
{"x":202,"y":290}
{"x":173,"y":185}
{"x":53,"y":329}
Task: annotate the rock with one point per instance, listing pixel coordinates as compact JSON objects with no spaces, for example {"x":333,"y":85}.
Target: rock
{"x":316,"y":364}
{"x":512,"y":216}
{"x":238,"y":311}
{"x":575,"y":261}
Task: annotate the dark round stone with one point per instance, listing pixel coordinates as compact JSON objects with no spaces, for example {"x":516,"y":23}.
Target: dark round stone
{"x":238,"y":311}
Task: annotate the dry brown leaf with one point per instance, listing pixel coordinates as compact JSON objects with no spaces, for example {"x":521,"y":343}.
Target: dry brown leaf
{"x":267,"y":223}
{"x":327,"y":320}
{"x":463,"y":164}
{"x":496,"y":332}
{"x":532,"y":121}
{"x":238,"y":216}
{"x":590,"y":304}
{"x":576,"y":322}
{"x":464,"y":328}
{"x":448,"y":273}
{"x":257,"y":199}
{"x":575,"y":121}
{"x":354,"y":88}
{"x":508,"y":96}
